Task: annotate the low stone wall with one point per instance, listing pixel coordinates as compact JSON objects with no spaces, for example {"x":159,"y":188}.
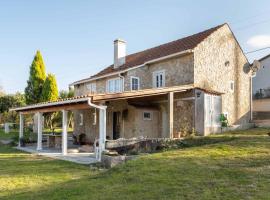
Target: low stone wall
{"x":135,"y":146}
{"x":111,"y":161}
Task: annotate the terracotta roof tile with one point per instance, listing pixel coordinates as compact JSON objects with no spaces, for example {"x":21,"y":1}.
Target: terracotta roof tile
{"x":176,"y":46}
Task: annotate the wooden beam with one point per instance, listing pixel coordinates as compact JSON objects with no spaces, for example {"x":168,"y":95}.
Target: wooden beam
{"x":140,"y":93}
{"x":81,"y":106}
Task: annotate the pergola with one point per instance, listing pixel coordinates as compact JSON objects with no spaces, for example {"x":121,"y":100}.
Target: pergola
{"x":64,"y":105}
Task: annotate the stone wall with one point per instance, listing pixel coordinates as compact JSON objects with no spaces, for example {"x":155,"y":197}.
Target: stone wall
{"x":217,"y":61}
{"x":178,"y":71}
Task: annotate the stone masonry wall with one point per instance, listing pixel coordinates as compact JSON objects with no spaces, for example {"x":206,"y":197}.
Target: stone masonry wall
{"x":219,"y":60}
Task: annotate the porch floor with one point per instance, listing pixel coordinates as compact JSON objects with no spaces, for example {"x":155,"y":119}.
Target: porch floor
{"x":80,"y":158}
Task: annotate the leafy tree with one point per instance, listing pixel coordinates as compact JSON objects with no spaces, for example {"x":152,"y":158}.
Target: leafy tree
{"x":50,"y":93}
{"x":33,"y":91}
{"x":10,"y":101}
{"x":1,"y":91}
{"x":7,"y":102}
{"x":63,"y":94}
{"x":50,"y":89}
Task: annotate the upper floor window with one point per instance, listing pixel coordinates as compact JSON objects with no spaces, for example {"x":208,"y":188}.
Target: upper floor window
{"x":115,"y":85}
{"x":159,"y":79}
{"x":91,"y":87}
{"x":134,"y":83}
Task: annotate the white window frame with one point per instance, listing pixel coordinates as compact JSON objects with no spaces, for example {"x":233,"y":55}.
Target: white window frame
{"x":91,"y":87}
{"x":131,"y":84}
{"x":81,"y":119}
{"x":231,"y":86}
{"x":114,"y":90}
{"x":154,"y":79}
{"x":147,"y":119}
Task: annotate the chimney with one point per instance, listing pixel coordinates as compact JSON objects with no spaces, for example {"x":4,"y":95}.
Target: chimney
{"x":119,"y":52}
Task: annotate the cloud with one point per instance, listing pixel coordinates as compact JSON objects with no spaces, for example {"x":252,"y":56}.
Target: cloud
{"x":259,"y":41}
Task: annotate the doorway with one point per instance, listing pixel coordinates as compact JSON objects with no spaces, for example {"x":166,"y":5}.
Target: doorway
{"x":116,"y":125}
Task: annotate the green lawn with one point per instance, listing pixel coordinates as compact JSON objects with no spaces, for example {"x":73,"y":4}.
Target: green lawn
{"x":5,"y":136}
{"x":235,"y":169}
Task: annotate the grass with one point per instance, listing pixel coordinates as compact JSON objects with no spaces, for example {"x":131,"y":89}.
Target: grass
{"x":231,"y":169}
{"x":6,"y":136}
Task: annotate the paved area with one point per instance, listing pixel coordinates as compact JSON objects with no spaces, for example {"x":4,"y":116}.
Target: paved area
{"x":80,"y":158}
{"x":5,"y":142}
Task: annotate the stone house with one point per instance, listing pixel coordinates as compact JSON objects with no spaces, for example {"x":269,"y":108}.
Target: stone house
{"x":170,"y":90}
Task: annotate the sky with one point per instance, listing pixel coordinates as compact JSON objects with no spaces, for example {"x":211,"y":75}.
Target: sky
{"x":76,"y":37}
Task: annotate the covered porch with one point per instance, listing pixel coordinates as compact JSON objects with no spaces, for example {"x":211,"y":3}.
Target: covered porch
{"x":64,"y":150}
{"x":172,"y":110}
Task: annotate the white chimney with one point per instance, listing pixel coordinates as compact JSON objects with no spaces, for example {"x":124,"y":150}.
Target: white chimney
{"x":119,"y":52}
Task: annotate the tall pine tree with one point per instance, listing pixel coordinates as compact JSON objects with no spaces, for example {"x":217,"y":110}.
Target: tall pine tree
{"x":33,"y":91}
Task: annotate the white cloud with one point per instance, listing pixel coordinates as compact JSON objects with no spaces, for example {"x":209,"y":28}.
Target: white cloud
{"x":259,"y":41}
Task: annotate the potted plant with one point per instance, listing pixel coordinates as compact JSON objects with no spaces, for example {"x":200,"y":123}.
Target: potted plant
{"x":223,"y":120}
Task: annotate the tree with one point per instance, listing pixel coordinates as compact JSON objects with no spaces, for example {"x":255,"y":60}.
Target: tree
{"x":7,"y":102}
{"x":1,"y":91}
{"x":63,"y":94}
{"x":50,"y":89}
{"x":11,"y":101}
{"x":50,"y":93}
{"x":68,"y":94}
{"x":33,"y":91}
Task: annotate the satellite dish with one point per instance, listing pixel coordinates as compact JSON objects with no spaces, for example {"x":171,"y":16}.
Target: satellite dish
{"x":256,"y":65}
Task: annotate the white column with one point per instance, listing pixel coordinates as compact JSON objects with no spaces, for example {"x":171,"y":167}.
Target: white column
{"x":102,"y":130}
{"x":64,"y":132}
{"x":170,"y":105}
{"x":21,"y":129}
{"x":39,"y":139}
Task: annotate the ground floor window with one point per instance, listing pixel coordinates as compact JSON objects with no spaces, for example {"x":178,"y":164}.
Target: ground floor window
{"x":147,"y":115}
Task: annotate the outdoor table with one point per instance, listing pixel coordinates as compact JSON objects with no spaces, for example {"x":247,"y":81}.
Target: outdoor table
{"x":54,"y":141}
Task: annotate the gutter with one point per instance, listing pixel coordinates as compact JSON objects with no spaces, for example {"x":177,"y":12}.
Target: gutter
{"x":50,"y":104}
{"x":102,"y":129}
{"x":135,"y":67}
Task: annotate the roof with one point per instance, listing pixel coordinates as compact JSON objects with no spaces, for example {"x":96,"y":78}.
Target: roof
{"x":139,"y":58}
{"x":265,"y":57}
{"x":81,"y":102}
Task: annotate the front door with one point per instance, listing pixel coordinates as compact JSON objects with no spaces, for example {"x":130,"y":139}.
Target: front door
{"x":116,"y":125}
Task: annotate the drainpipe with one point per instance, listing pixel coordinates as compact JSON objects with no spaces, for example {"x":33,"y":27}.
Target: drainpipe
{"x":102,"y":127}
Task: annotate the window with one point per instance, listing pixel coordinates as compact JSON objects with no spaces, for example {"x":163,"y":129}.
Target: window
{"x":114,"y":85}
{"x":134,"y":83}
{"x":91,"y":87}
{"x":147,"y":115}
{"x":232,"y":86}
{"x":81,"y":119}
{"x":159,"y":79}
